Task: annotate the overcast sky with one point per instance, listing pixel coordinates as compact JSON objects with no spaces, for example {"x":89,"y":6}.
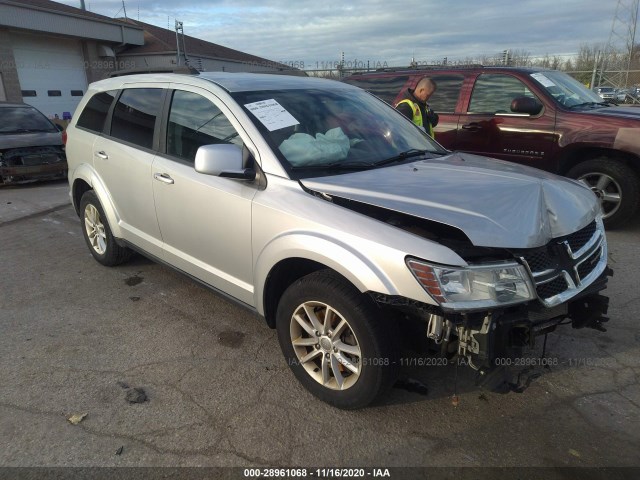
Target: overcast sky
{"x":316,"y":31}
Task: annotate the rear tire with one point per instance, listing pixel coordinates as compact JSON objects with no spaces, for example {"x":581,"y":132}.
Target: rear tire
{"x":335,"y":341}
{"x":616,"y":185}
{"x":97,"y":232}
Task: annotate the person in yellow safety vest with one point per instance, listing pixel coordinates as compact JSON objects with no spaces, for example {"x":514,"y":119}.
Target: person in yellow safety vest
{"x":414,"y":106}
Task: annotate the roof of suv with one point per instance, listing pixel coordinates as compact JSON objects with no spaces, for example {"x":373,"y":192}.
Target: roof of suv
{"x":439,"y":68}
{"x":231,"y":82}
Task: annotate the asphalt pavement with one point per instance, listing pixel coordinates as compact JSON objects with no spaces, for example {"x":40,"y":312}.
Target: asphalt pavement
{"x":78,"y":338}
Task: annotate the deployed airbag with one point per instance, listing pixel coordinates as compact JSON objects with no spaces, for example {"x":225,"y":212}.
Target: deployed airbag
{"x":302,"y":149}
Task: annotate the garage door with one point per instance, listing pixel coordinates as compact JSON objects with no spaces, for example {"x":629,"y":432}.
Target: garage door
{"x":51,"y":72}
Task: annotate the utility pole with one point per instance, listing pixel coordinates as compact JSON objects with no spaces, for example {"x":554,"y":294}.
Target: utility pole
{"x":180,"y":31}
{"x":505,"y":57}
{"x":178,"y":27}
{"x":619,"y":50}
{"x":596,"y":60}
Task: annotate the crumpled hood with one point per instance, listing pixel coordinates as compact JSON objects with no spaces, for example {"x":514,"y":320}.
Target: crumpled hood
{"x":495,"y":203}
{"x":36,"y":139}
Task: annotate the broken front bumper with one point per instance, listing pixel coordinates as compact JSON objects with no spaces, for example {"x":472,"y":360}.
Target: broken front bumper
{"x":491,"y":340}
{"x":11,"y":174}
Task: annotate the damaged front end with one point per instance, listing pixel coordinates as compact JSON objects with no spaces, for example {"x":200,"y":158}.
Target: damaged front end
{"x":493,"y":332}
{"x":28,"y":164}
{"x":534,"y":259}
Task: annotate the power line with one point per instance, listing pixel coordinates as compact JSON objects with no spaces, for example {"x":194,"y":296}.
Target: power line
{"x":619,"y":51}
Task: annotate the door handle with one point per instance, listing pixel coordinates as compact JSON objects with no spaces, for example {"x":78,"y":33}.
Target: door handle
{"x":472,"y":127}
{"x":102,"y":155}
{"x":164,"y":178}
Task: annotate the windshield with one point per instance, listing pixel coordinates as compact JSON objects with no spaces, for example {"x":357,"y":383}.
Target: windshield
{"x":23,"y":120}
{"x":325,"y":131}
{"x":566,"y":90}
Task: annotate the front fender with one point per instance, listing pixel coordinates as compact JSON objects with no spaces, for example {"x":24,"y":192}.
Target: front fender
{"x":355,"y":266}
{"x":88,"y":174}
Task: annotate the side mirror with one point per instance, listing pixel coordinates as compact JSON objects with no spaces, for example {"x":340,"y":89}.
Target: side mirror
{"x":526,"y":105}
{"x":222,"y":160}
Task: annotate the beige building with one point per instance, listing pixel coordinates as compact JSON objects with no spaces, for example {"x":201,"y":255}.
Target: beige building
{"x":160,"y":49}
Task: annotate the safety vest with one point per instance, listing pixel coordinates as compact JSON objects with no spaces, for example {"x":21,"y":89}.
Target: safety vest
{"x":417,"y":115}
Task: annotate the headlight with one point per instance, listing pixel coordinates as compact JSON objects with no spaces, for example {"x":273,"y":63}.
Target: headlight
{"x":474,"y":287}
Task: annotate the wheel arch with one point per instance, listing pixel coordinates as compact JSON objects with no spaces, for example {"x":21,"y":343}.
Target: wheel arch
{"x":577,"y":155}
{"x":285,"y":260}
{"x":85,"y":178}
{"x":283,"y":274}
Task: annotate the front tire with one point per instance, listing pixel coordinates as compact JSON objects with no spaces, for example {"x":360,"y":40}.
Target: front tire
{"x":615,"y":184}
{"x":97,"y":232}
{"x":335,"y":341}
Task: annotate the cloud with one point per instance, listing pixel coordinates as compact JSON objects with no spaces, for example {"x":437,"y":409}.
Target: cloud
{"x":318,"y":31}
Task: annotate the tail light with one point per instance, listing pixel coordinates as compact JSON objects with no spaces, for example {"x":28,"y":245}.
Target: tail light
{"x":64,"y":137}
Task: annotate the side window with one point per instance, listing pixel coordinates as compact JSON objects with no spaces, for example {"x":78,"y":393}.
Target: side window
{"x":95,"y":111}
{"x":385,"y":88}
{"x":135,"y":114}
{"x":195,"y":121}
{"x":493,"y":93}
{"x":445,"y":98}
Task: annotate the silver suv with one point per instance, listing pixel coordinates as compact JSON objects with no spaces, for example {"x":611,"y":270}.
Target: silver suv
{"x":324,"y":210}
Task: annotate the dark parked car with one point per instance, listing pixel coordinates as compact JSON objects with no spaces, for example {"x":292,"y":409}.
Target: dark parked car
{"x":541,"y":118}
{"x":31,"y":146}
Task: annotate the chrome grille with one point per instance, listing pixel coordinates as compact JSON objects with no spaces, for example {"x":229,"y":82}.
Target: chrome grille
{"x":539,"y":261}
{"x":580,"y":238}
{"x":568,"y":264}
{"x":587,"y":266}
{"x":552,"y":288}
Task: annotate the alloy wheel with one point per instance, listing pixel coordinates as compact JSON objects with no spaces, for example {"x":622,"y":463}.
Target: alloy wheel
{"x":95,"y":229}
{"x":606,"y":189}
{"x":326,"y":345}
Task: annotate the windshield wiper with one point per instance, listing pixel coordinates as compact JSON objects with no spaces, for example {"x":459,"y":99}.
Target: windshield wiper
{"x":592,"y":104}
{"x":339,"y":165}
{"x":414,"y":152}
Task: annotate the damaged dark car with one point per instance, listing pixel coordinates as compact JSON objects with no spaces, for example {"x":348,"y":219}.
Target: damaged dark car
{"x":31,"y":146}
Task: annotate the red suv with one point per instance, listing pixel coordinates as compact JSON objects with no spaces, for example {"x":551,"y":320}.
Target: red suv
{"x":542,"y":118}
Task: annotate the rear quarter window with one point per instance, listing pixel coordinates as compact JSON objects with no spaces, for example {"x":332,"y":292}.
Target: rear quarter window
{"x":445,"y":98}
{"x":385,"y":88}
{"x":388,"y":88}
{"x":95,"y":111}
{"x":135,"y":114}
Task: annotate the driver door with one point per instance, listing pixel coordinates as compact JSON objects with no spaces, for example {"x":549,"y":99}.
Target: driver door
{"x":490,"y":128}
{"x":205,"y":221}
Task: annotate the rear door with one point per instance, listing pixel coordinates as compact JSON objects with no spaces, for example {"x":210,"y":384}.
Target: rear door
{"x":489,"y":127}
{"x":123,"y":161}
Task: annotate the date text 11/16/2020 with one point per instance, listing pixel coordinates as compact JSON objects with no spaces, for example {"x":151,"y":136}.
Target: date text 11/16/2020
{"x":316,"y":472}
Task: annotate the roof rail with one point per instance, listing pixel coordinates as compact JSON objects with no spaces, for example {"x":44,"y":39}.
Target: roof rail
{"x":134,"y":71}
{"x":430,"y":67}
{"x":421,"y":67}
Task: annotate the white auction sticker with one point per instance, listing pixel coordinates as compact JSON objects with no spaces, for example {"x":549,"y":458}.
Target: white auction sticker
{"x":272,"y":115}
{"x":543,"y":79}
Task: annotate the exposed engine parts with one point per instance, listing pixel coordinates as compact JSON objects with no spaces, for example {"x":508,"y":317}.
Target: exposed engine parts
{"x":489,"y":343}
